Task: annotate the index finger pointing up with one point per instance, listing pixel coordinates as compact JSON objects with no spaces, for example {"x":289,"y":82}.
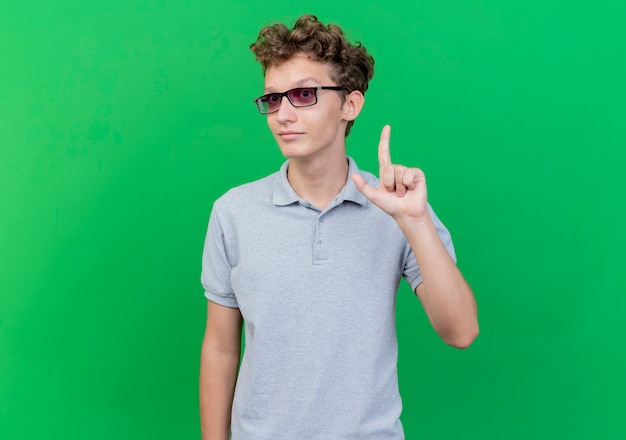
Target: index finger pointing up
{"x":384,"y":157}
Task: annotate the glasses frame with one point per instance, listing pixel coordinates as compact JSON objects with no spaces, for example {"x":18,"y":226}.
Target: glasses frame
{"x":258,"y":101}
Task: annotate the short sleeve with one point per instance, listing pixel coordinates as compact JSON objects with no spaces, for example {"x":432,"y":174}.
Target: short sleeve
{"x":412,"y":272}
{"x":216,"y":265}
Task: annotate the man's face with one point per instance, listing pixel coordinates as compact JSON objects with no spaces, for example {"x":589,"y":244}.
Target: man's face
{"x":306,"y":132}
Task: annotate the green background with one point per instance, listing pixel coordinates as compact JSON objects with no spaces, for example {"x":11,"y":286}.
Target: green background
{"x":122,"y":121}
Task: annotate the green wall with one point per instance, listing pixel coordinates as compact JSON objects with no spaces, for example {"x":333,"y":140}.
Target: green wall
{"x":122,"y":121}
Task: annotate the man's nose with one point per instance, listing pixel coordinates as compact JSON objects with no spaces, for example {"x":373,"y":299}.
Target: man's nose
{"x":286,"y":111}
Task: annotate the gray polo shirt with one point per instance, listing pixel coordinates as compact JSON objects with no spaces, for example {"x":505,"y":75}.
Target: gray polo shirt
{"x":317,"y":293}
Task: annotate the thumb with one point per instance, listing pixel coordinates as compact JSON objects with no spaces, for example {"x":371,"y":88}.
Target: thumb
{"x":362,"y":186}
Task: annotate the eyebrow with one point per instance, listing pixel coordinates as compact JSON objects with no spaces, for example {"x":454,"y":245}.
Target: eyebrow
{"x":299,"y":83}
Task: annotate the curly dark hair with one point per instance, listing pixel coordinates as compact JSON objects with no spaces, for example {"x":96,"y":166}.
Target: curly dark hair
{"x":352,"y":66}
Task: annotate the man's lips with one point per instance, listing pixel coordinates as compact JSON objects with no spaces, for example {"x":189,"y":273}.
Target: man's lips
{"x":289,"y":135}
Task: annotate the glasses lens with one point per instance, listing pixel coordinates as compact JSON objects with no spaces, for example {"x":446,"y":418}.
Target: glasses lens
{"x":302,"y":97}
{"x":268,"y":103}
{"x":261,"y":103}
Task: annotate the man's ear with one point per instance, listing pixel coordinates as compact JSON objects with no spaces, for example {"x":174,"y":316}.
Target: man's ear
{"x":352,"y":105}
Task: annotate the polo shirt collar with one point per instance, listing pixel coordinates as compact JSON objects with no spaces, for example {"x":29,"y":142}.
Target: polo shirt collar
{"x":283,"y":193}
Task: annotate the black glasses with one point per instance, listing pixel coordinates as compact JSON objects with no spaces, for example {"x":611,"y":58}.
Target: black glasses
{"x":298,"y":97}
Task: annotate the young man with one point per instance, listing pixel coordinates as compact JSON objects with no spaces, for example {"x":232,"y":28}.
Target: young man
{"x":310,"y":258}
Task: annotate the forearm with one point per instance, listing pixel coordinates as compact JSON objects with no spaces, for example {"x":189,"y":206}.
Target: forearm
{"x":444,"y":293}
{"x":218,"y":375}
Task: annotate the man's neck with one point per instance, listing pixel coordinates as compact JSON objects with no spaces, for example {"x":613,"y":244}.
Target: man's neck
{"x":318,"y":181}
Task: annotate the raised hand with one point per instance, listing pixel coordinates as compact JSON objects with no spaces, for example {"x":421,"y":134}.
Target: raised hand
{"x":402,"y":191}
